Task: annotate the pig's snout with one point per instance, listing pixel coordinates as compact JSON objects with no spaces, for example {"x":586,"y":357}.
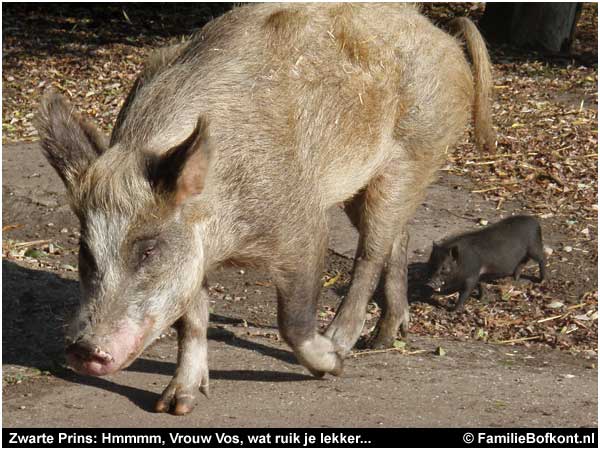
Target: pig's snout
{"x":89,"y":359}
{"x":86,"y":351}
{"x":103,"y":353}
{"x":436,"y":284}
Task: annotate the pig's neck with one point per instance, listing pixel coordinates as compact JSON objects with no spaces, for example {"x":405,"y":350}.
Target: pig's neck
{"x":222,"y":238}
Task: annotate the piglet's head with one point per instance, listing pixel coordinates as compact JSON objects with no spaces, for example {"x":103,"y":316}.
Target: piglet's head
{"x":443,"y":267}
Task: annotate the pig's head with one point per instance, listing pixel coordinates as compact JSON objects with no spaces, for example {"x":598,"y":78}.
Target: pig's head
{"x":444,"y":267}
{"x":140,"y":256}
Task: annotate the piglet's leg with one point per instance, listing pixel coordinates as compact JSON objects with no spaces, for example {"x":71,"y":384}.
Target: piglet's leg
{"x":468,"y":287}
{"x":482,"y":294}
{"x":519,"y":269}
{"x":192,"y":361}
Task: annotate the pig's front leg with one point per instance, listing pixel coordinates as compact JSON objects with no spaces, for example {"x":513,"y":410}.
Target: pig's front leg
{"x":468,"y":287}
{"x":192,"y":362}
{"x":297,"y":297}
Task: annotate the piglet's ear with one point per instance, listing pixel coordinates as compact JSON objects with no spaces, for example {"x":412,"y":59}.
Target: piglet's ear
{"x":454,"y":252}
{"x":181,"y":172}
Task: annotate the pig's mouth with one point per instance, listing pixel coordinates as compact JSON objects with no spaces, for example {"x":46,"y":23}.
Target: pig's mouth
{"x":436,"y":286}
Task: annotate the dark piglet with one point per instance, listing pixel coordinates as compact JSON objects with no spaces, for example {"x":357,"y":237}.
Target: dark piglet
{"x":501,"y":249}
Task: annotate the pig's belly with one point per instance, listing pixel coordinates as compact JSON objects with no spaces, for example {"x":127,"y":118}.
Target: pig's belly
{"x":340,"y":183}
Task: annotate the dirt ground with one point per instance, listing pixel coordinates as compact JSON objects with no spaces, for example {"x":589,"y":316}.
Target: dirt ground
{"x":255,"y":380}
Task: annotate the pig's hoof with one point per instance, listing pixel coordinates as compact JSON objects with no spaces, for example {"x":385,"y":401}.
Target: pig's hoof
{"x":336,"y":371}
{"x":176,"y":400}
{"x":320,"y":356}
{"x":381,"y":342}
{"x":404,"y":326}
{"x":342,"y":340}
{"x":339,"y":366}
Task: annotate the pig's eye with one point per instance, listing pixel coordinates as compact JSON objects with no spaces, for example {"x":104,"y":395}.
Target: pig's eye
{"x":147,"y":253}
{"x":146,"y":250}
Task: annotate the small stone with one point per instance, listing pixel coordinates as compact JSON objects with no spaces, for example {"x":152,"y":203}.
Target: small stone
{"x":548,"y":251}
{"x":50,"y":224}
{"x":568,"y":249}
{"x":22,"y":407}
{"x":64,"y":230}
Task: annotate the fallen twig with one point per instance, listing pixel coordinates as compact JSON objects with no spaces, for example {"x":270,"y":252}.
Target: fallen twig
{"x":387,"y":350}
{"x":495,"y":188}
{"x":552,"y":318}
{"x":510,"y":341}
{"x":30,"y":243}
{"x":579,"y":305}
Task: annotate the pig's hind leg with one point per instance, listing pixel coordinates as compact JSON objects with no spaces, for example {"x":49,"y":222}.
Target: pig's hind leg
{"x":297,"y":296}
{"x":536,"y":252}
{"x":191,"y":374}
{"x":395,"y":309}
{"x":380,"y":213}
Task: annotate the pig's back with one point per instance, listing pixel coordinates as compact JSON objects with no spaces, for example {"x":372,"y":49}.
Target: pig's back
{"x":313,"y":99}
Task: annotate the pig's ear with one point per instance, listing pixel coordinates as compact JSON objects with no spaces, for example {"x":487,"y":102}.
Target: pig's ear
{"x":181,"y":172}
{"x":454,"y":252}
{"x":69,"y":142}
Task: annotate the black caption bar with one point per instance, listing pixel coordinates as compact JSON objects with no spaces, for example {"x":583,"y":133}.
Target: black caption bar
{"x":294,"y":438}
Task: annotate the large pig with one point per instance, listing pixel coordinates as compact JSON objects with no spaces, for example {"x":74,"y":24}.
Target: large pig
{"x":232,"y":146}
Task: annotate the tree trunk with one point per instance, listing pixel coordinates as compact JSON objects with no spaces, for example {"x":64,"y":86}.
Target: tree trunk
{"x":548,"y":27}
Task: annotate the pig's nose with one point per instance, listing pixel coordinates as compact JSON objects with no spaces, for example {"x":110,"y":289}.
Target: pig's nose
{"x":87,"y":351}
{"x":433,"y":284}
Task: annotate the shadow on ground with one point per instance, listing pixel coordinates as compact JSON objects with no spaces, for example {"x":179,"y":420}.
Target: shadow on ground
{"x":65,"y":27}
{"x":37,"y":306}
{"x":80,"y":29}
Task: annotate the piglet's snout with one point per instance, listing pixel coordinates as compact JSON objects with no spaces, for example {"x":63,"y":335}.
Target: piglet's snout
{"x":436,"y":285}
